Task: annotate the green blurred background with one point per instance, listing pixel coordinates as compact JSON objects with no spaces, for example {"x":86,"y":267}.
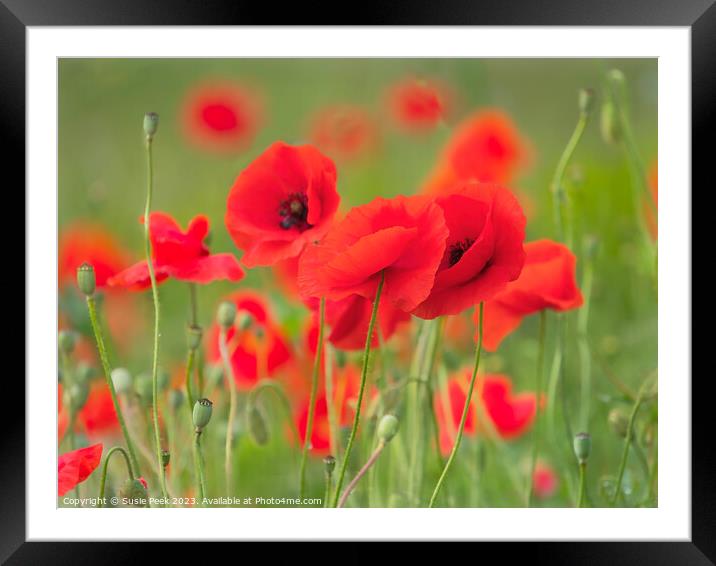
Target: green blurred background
{"x":102,"y":177}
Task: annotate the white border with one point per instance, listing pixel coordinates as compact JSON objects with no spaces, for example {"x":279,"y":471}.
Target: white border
{"x":670,"y":521}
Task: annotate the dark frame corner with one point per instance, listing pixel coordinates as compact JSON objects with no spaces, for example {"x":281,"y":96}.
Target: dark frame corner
{"x":700,"y":15}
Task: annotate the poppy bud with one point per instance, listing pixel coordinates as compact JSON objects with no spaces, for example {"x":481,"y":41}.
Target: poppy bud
{"x":244,"y":322}
{"x":134,"y":492}
{"x":86,"y":280}
{"x":215,"y":374}
{"x":387,"y":428}
{"x":143,"y":387}
{"x":202,"y":414}
{"x":330,"y":463}
{"x":165,"y":458}
{"x":341,"y":358}
{"x":586,"y":101}
{"x":151,"y":123}
{"x":193,"y":336}
{"x":582,"y":446}
{"x":609,"y":123}
{"x":176,"y":399}
{"x":85,"y":372}
{"x":66,"y":340}
{"x":76,"y":396}
{"x":226,"y":314}
{"x":257,"y":426}
{"x":618,"y":422}
{"x":122,"y":380}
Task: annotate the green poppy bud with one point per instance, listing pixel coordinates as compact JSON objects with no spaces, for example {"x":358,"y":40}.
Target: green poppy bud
{"x":387,"y":428}
{"x":618,"y":422}
{"x":341,"y":358}
{"x":76,"y":395}
{"x":609,"y":122}
{"x":226,"y":314}
{"x":586,"y":101}
{"x":330,"y":463}
{"x":257,"y":426}
{"x":151,"y":124}
{"x":582,"y":446}
{"x":143,"y":387}
{"x":122,"y":380}
{"x":176,"y":399}
{"x":86,"y":280}
{"x":193,"y":336}
{"x":85,"y":372}
{"x":133,"y":493}
{"x":202,"y":414}
{"x":244,"y":321}
{"x":214,"y":374}
{"x":66,"y":340}
{"x":165,"y":458}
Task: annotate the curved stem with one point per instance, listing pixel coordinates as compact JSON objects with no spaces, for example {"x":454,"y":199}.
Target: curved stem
{"x":199,"y":468}
{"x":538,"y":393}
{"x":91,"y":306}
{"x":312,"y":399}
{"x":155,"y":300}
{"x":271,"y":385}
{"x":465,"y":411}
{"x":103,"y":479}
{"x":351,"y":486}
{"x":361,"y":391}
{"x":228,"y":463}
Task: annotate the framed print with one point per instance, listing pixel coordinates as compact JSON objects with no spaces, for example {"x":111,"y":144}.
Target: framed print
{"x":341,"y":283}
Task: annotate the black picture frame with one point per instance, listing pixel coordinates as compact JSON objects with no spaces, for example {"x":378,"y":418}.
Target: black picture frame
{"x":699,"y":15}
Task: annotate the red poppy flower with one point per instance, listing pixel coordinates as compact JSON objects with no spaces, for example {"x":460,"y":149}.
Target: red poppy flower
{"x":403,"y":237}
{"x":483,"y":252}
{"x":222,"y":116}
{"x":510,"y":415}
{"x":486,"y":147}
{"x":547,"y":281}
{"x":177,"y":254}
{"x":419,"y":104}
{"x":257,"y":352}
{"x":649,"y":210}
{"x":283,"y":200}
{"x":544,"y":481}
{"x":75,"y":467}
{"x":86,"y":242}
{"x":98,"y":415}
{"x":344,"y":132}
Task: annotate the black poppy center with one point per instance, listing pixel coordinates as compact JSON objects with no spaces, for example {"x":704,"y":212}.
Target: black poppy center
{"x":458,"y":249}
{"x":294,"y":212}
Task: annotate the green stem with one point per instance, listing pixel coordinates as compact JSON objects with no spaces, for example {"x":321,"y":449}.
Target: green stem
{"x":465,"y":411}
{"x":583,"y":344}
{"x":272,"y":385}
{"x":582,"y":483}
{"x":92,"y":308}
{"x":191,"y":355}
{"x":327,"y":492}
{"x":155,"y":300}
{"x":103,"y":479}
{"x":538,"y":393}
{"x":193,"y":309}
{"x":228,"y":462}
{"x":312,"y":399}
{"x":361,"y":391}
{"x":351,"y":486}
{"x":199,"y":468}
{"x":331,"y":404}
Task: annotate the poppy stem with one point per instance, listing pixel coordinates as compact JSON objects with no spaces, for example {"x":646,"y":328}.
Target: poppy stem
{"x":465,"y":411}
{"x":271,"y":385}
{"x":538,"y":393}
{"x":330,"y":403}
{"x":199,"y":468}
{"x":582,"y":484}
{"x":228,"y":461}
{"x":155,"y":300}
{"x":329,"y":486}
{"x":583,"y":343}
{"x":312,"y":399}
{"x":103,"y":478}
{"x":351,"y":486}
{"x":99,"y":338}
{"x":361,"y":391}
{"x":191,"y":355}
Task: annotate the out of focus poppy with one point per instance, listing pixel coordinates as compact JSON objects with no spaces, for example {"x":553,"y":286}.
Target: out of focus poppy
{"x":98,"y":416}
{"x":75,"y":467}
{"x":419,"y":104}
{"x":544,"y":480}
{"x":344,"y":132}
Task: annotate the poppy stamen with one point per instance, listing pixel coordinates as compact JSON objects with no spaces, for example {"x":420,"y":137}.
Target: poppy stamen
{"x":458,"y":249}
{"x":294,"y":212}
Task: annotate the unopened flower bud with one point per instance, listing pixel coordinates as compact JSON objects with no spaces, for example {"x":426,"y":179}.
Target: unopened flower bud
{"x":122,"y":380}
{"x":76,"y":396}
{"x":202,"y":414}
{"x":330,"y":463}
{"x":586,"y":101}
{"x":85,"y":372}
{"x":618,"y":422}
{"x":388,"y":428}
{"x":226,"y":314}
{"x":133,"y":493}
{"x":165,"y":458}
{"x":257,"y":426}
{"x":244,"y":321}
{"x":143,"y":387}
{"x":66,"y":340}
{"x":193,"y":336}
{"x":176,"y":399}
{"x":86,"y":280}
{"x":582,"y":446}
{"x":341,"y":358}
{"x":151,"y":124}
{"x":609,"y":122}
{"x":214,"y":374}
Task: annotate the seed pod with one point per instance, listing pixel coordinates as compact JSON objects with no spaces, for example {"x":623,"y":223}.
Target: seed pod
{"x":151,"y":124}
{"x":257,"y":426}
{"x":586,"y":101}
{"x":86,"y":280}
{"x":582,"y":446}
{"x":165,"y":458}
{"x":202,"y":414}
{"x":388,"y":428}
{"x":85,"y":372}
{"x":244,"y":321}
{"x":609,"y":122}
{"x":122,"y":380}
{"x":330,"y":463}
{"x":226,"y":314}
{"x":134,"y":492}
{"x":618,"y":422}
{"x":193,"y":336}
{"x":143,"y":387}
{"x":66,"y":340}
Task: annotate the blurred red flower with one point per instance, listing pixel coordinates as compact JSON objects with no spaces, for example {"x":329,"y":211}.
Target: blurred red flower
{"x":256,"y":352}
{"x":548,"y":281}
{"x":510,"y":415}
{"x":283,"y":200}
{"x":344,"y":132}
{"x":222,"y":116}
{"x":419,"y":104}
{"x":177,"y":254}
{"x":649,"y":210}
{"x":544,"y":481}
{"x":98,"y":416}
{"x":486,"y":147}
{"x":403,"y":237}
{"x":484,"y":249}
{"x":75,"y":467}
{"x":82,"y":242}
